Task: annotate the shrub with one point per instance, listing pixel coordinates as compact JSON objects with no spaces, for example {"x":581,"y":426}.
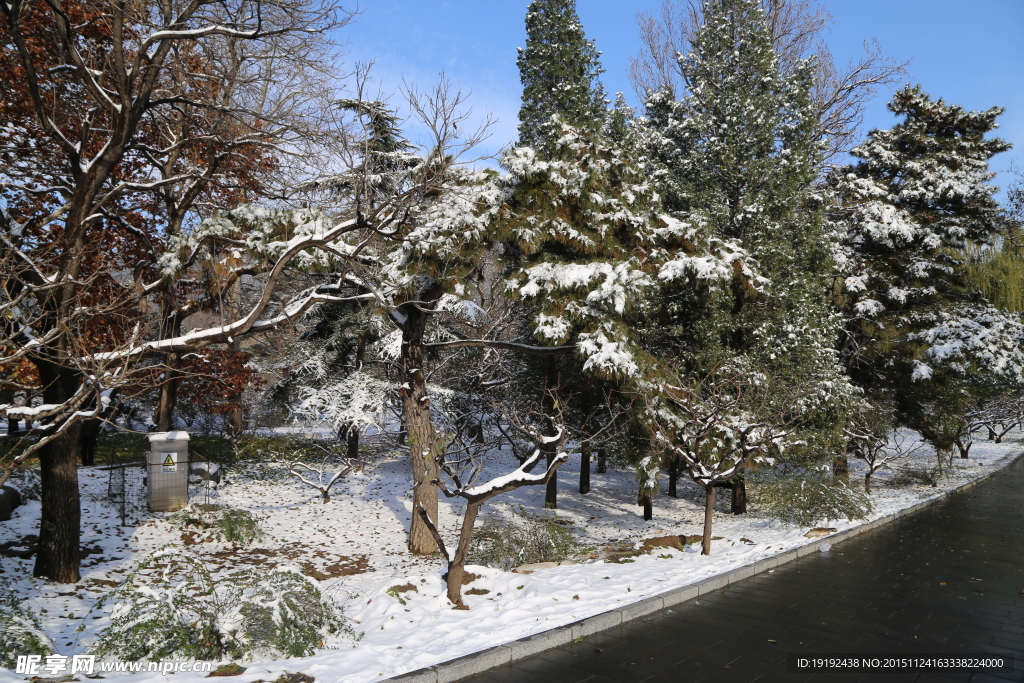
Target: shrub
{"x":806,"y":498}
{"x":170,"y":607}
{"x":20,"y":632}
{"x":28,"y":483}
{"x":916,"y":476}
{"x":505,"y":543}
{"x":218,"y":523}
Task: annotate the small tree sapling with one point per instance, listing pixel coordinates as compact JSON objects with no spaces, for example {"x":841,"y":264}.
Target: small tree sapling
{"x":716,"y":429}
{"x":460,"y":468}
{"x":325,"y":474}
{"x":874,"y":440}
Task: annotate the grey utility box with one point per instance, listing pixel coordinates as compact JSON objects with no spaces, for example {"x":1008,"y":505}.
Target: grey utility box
{"x":168,"y":471}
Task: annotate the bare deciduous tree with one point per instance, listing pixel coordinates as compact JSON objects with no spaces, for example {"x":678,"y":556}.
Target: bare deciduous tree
{"x":841,"y":92}
{"x":875,"y":440}
{"x":324,"y":474}
{"x":459,"y":470}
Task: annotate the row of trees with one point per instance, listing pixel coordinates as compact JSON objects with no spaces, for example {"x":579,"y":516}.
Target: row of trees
{"x":696,"y":288}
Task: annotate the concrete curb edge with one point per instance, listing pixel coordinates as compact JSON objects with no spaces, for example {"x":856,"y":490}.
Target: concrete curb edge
{"x":465,"y":667}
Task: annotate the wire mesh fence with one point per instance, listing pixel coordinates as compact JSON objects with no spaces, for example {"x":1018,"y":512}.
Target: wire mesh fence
{"x":131,"y":489}
{"x":127,"y":492}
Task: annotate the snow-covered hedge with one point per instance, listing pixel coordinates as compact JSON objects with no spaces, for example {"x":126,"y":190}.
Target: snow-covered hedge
{"x":524,"y":538}
{"x":808,"y":498}
{"x":171,"y":607}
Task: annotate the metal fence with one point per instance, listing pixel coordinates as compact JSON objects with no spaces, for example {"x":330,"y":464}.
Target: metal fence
{"x":128,"y":487}
{"x":127,"y":491}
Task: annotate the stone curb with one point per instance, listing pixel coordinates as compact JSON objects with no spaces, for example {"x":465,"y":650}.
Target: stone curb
{"x":508,"y":653}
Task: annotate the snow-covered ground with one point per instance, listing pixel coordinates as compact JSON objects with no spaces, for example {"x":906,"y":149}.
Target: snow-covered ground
{"x":355,"y":546}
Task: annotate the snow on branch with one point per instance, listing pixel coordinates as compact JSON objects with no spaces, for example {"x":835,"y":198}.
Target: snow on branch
{"x":324,"y":474}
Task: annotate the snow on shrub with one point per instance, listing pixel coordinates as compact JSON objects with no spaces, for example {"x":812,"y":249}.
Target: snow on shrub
{"x":218,"y":523}
{"x":170,"y":606}
{"x":20,"y":631}
{"x":804,"y":500}
{"x":524,"y":538}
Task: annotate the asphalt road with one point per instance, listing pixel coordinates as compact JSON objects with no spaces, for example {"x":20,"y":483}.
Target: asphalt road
{"x":947,"y":581}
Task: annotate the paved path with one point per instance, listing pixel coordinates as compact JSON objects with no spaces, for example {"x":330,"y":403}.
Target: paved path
{"x":949,"y":579}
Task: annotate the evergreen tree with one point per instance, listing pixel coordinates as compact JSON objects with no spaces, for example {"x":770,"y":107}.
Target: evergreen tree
{"x":739,"y":156}
{"x":559,"y":69}
{"x":590,"y":244}
{"x":914,"y":207}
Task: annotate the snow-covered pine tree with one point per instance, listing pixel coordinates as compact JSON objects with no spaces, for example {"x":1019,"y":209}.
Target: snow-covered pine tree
{"x":328,"y":383}
{"x":592,"y":245}
{"x":740,"y":155}
{"x":559,"y":69}
{"x":915,"y":326}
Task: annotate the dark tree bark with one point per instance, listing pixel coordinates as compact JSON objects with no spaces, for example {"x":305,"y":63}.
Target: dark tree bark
{"x":551,"y":490}
{"x":168,"y":398}
{"x":457,"y":569}
{"x":648,"y":502}
{"x":584,"y":466}
{"x":352,"y":442}
{"x":585,"y":408}
{"x":419,"y":427}
{"x":584,"y":440}
{"x":57,"y":555}
{"x":602,"y":461}
{"x":673,"y":477}
{"x":352,"y":445}
{"x":739,"y":495}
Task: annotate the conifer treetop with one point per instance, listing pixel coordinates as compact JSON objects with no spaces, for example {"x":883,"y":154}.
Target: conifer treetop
{"x":559,"y":69}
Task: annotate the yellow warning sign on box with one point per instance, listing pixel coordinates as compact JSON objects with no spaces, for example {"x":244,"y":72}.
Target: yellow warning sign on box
{"x":169,"y":465}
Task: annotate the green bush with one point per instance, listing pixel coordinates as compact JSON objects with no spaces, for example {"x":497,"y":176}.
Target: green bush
{"x":218,"y":523}
{"x":522,"y":539}
{"x":170,"y":607}
{"x":20,"y":632}
{"x":808,"y":497}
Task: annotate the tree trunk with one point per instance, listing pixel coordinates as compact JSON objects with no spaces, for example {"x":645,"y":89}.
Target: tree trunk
{"x":12,"y":427}
{"x":168,"y":398}
{"x":584,"y":441}
{"x":867,"y":482}
{"x":419,"y":428}
{"x":352,"y":441}
{"x":965,"y":451}
{"x":57,"y":555}
{"x":602,"y":461}
{"x":584,"y":467}
{"x":841,"y":468}
{"x":236,"y":421}
{"x":648,"y":502}
{"x":551,"y":490}
{"x":456,"y":568}
{"x":673,"y":477}
{"x":353,"y":444}
{"x":709,"y":513}
{"x":739,"y":495}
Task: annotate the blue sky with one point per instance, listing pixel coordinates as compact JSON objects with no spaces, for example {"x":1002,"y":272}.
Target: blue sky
{"x":970,"y":52}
